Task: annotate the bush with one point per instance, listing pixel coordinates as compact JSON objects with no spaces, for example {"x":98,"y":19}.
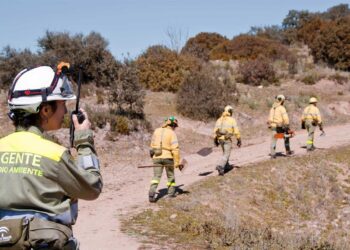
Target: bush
{"x":201,"y":45}
{"x":338,"y":78}
{"x":257,"y":72}
{"x":97,"y":117}
{"x":247,"y":47}
{"x":12,"y":62}
{"x":120,"y":124}
{"x":90,"y":51}
{"x":310,"y":79}
{"x":332,"y":42}
{"x":126,"y":95}
{"x":205,"y":93}
{"x":161,"y":69}
{"x":273,"y":32}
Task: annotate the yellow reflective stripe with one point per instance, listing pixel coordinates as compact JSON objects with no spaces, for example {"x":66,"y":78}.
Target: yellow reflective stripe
{"x":171,"y":184}
{"x":154,"y":181}
{"x":31,"y":143}
{"x":309,"y":142}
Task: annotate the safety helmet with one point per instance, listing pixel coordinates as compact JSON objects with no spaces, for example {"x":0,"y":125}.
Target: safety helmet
{"x":171,"y":121}
{"x":228,"y":108}
{"x":280,"y":98}
{"x":33,"y":86}
{"x":313,"y":100}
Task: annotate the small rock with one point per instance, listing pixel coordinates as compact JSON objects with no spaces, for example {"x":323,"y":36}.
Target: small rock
{"x":173,"y":216}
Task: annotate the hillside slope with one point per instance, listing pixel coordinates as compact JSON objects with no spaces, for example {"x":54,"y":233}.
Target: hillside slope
{"x":126,"y":187}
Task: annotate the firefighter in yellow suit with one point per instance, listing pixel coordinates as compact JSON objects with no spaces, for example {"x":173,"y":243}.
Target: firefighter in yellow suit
{"x":311,"y":118}
{"x":278,"y":122}
{"x":165,"y":153}
{"x":225,"y":128}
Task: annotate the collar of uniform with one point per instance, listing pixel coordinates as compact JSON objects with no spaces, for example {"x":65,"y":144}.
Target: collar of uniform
{"x":31,"y":129}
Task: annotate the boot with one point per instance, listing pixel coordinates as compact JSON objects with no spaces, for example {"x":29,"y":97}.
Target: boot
{"x":152,"y":197}
{"x":220,"y":170}
{"x":289,"y":152}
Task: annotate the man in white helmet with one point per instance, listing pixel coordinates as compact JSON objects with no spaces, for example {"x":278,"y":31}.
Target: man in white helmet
{"x":310,"y":119}
{"x":40,"y":182}
{"x":225,"y":128}
{"x":278,"y":122}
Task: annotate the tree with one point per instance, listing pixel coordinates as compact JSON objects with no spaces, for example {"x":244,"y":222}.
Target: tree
{"x":89,"y":51}
{"x":162,"y":69}
{"x":126,"y":93}
{"x":202,"y":44}
{"x":12,"y":62}
{"x":295,"y":18}
{"x":336,"y":12}
{"x":205,"y":93}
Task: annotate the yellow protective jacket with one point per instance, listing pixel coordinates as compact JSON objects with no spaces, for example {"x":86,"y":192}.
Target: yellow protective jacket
{"x":40,"y":178}
{"x":166,"y":139}
{"x":278,"y":116}
{"x":226,"y":127}
{"x":312,"y":113}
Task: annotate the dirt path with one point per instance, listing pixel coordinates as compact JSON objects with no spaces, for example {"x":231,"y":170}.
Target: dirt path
{"x":126,"y":188}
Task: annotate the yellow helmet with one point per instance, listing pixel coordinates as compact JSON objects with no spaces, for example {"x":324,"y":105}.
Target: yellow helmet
{"x":280,"y":98}
{"x":313,"y":100}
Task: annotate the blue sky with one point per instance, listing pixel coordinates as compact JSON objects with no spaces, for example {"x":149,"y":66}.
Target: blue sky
{"x":130,"y":26}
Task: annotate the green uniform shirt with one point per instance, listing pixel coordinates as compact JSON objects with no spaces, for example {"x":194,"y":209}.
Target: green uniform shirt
{"x":40,"y":176}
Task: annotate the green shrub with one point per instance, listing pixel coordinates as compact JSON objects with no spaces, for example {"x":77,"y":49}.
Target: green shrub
{"x":205,"y":93}
{"x":120,"y":124}
{"x":257,"y":72}
{"x":97,"y":117}
{"x":126,"y":96}
{"x":161,"y":69}
{"x":12,"y":62}
{"x":310,"y":78}
{"x":338,"y":78}
{"x":248,"y":47}
{"x":201,"y":45}
{"x":89,"y":51}
{"x":100,"y":97}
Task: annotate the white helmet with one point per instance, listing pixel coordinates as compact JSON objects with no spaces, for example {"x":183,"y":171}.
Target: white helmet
{"x":33,"y":86}
{"x":280,"y":98}
{"x":228,"y":108}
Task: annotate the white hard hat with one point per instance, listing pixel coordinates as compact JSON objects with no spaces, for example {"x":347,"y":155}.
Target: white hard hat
{"x":280,"y":98}
{"x":31,"y":87}
{"x":228,"y":108}
{"x":313,"y":100}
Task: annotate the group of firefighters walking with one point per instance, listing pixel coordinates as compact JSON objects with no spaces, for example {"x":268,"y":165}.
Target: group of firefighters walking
{"x":165,"y":147}
{"x":40,"y":181}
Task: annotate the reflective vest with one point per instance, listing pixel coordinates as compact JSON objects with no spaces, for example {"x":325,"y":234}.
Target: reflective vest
{"x":278,"y":116}
{"x":311,"y":113}
{"x":40,"y":176}
{"x":226,"y":127}
{"x":164,"y":138}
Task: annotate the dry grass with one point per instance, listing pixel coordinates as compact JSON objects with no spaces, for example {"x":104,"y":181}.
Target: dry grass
{"x":299,"y":203}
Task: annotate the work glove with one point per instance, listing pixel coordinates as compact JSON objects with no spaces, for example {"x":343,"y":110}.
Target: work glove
{"x":151,"y":153}
{"x":239,"y":142}
{"x":180,"y":167}
{"x":216,"y":142}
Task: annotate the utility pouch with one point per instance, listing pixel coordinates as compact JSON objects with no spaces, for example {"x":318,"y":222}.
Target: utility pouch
{"x":303,"y":125}
{"x":280,"y":130}
{"x":48,"y":234}
{"x":221,"y":132}
{"x":157,"y":151}
{"x":13,"y":234}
